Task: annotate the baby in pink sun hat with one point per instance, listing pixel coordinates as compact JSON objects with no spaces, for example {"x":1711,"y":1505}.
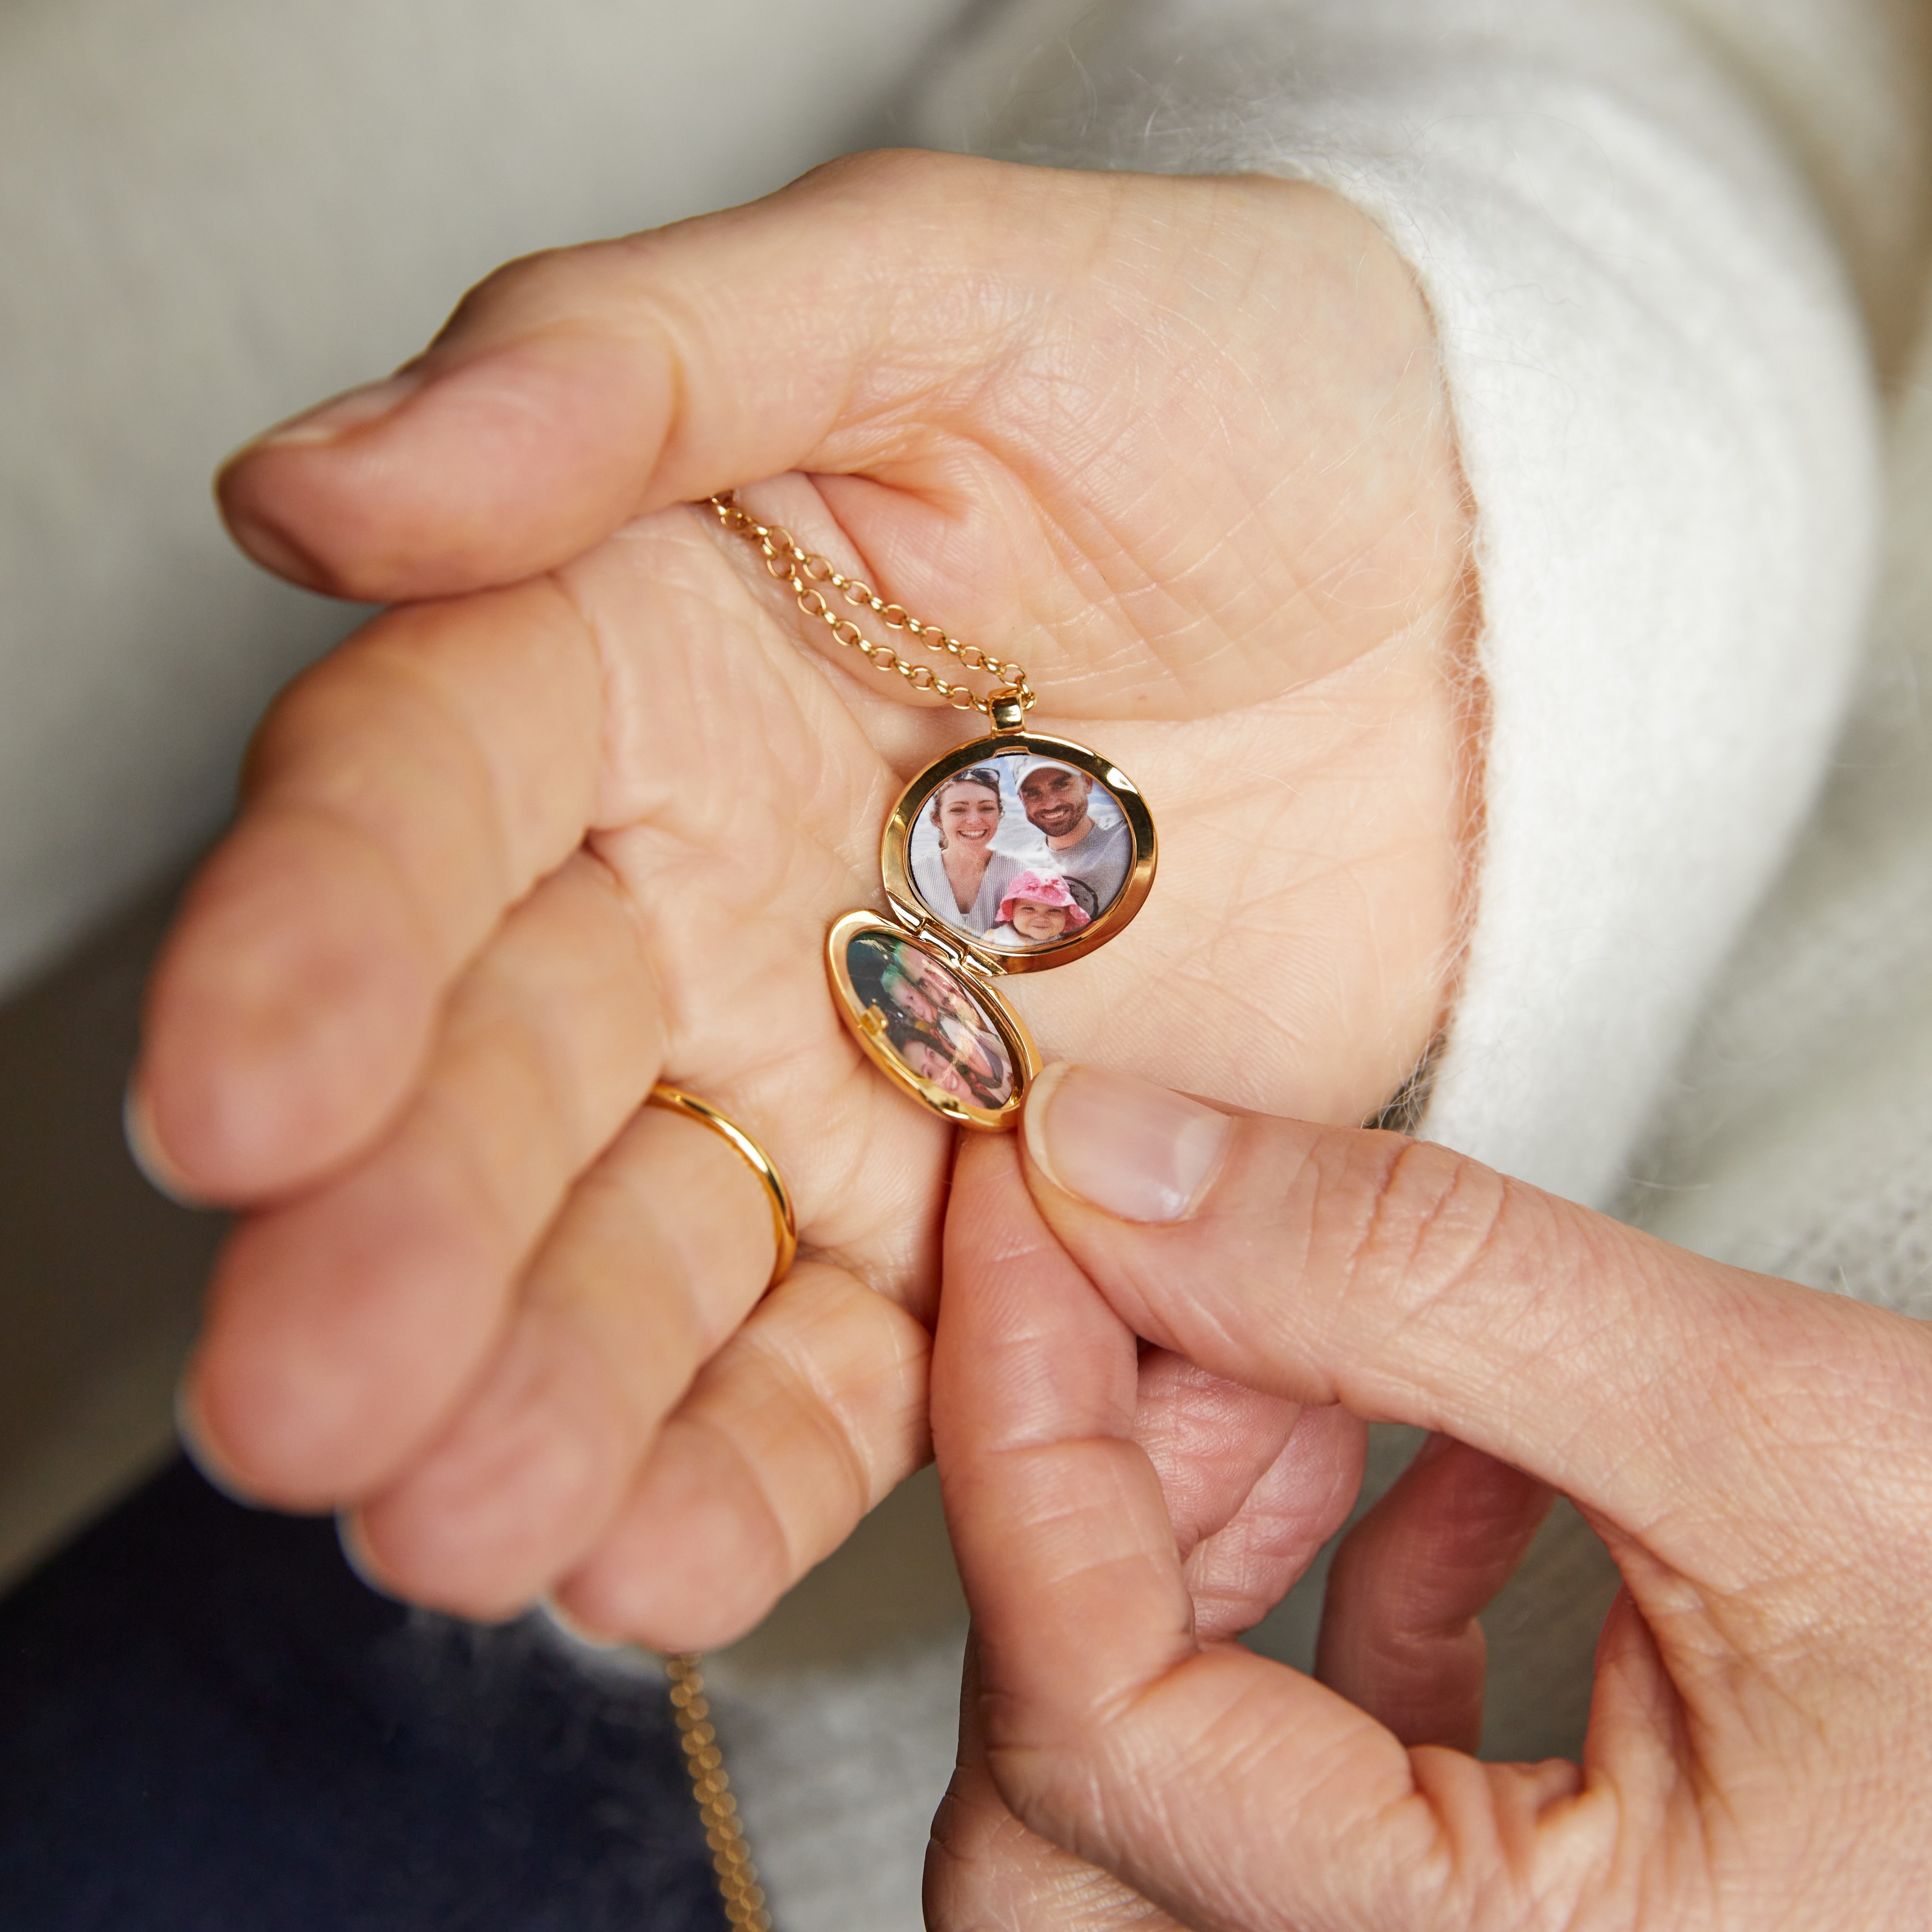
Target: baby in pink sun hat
{"x":1037,"y":909}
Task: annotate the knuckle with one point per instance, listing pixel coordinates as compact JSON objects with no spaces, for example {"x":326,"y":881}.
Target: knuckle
{"x":1879,"y":1414}
{"x":514,"y":286}
{"x":1836,"y":1397}
{"x":965,"y":1860}
{"x":1910,"y":1377}
{"x":1447,"y":1260}
{"x":893,"y":174}
{"x":375,"y":687}
{"x":1419,"y":1223}
{"x":955,"y":208}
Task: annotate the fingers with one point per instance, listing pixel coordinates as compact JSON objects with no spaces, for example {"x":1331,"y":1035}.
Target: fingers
{"x":806,"y":1417}
{"x":1254,"y":1486}
{"x":985,"y":1872}
{"x":1407,"y":1283}
{"x":661,"y":1249}
{"x":1209,"y":1441}
{"x":401,"y":795}
{"x":573,"y":391}
{"x":1226,"y":1790}
{"x":1241,"y":1571}
{"x":342,"y":1327}
{"x":1399,"y":1636}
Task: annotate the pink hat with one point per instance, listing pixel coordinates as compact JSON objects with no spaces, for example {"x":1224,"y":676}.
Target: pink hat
{"x":1046,"y":889}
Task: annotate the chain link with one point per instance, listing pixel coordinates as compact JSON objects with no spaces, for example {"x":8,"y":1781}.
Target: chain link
{"x":738,"y":1884}
{"x":805,"y":573}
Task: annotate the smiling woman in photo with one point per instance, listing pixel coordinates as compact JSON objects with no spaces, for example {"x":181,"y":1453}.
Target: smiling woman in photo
{"x":965,"y":878}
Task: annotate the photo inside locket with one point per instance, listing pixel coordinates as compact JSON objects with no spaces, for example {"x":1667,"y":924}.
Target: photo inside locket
{"x":1019,"y":853}
{"x":932,"y":1022}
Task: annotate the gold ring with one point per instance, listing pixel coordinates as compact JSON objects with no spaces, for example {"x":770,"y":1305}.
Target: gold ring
{"x":785,"y":1223}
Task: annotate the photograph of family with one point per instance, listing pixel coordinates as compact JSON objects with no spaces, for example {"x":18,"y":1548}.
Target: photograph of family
{"x":1019,"y":853}
{"x":933,"y":1025}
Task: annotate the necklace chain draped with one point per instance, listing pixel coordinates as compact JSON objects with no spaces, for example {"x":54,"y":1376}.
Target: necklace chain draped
{"x":806,"y":573}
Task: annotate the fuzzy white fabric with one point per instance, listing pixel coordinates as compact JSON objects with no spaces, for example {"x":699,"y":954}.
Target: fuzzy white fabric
{"x":840,"y":1767}
{"x":1799,"y":1140}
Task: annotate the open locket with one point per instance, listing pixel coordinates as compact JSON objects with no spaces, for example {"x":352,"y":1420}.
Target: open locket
{"x":1054,"y":847}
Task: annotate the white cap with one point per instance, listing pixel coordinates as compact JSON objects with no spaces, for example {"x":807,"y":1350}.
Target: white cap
{"x":1032,"y":765}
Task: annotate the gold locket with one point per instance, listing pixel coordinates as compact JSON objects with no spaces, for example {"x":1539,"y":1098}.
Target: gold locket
{"x":921,"y":995}
{"x":1053,"y":843}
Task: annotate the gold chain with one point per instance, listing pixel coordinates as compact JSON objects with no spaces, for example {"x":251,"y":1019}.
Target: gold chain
{"x":730,"y":1857}
{"x":806,"y":572}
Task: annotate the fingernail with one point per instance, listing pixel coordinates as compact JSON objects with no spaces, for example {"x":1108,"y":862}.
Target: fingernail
{"x":355,"y":409}
{"x":1131,"y":1148}
{"x":193,"y":1440}
{"x":581,"y":1633}
{"x":357,"y":1554}
{"x":144,"y":1150}
{"x":273,"y":550}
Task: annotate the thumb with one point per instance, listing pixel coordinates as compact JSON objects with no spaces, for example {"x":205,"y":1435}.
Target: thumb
{"x":1411,"y":1284}
{"x":573,"y":391}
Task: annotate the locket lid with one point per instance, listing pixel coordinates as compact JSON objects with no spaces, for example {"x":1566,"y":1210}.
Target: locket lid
{"x":1024,"y":788}
{"x":937,"y":1031}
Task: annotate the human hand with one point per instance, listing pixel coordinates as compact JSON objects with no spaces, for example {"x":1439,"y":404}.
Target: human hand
{"x":579,"y":814}
{"x":1757,"y":1456}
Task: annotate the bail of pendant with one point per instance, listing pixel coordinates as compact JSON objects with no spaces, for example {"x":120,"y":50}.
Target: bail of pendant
{"x":1006,"y":706}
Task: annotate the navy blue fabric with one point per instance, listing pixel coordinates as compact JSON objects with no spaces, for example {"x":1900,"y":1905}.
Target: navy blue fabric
{"x":208,"y":1724}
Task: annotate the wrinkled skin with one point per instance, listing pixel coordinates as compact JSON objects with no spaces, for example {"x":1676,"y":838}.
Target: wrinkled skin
{"x":578,"y":811}
{"x":1145,"y":1430}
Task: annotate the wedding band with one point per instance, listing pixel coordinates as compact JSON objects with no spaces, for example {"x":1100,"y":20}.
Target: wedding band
{"x":785,"y":1223}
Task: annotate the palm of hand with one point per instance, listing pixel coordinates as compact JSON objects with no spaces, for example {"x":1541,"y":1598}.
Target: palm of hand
{"x":1232,"y":564}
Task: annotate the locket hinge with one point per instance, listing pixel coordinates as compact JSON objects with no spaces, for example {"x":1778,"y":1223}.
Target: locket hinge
{"x":1007,"y":707}
{"x":940,"y":940}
